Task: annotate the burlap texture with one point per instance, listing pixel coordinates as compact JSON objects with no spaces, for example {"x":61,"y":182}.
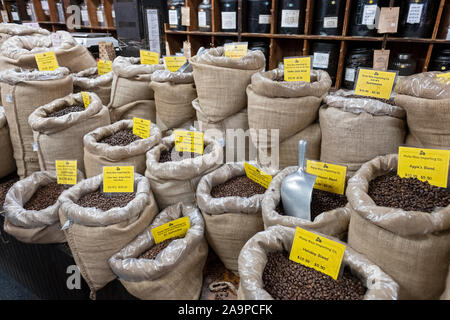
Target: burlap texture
{"x":177,"y":272}
{"x":253,"y":260}
{"x":7,"y":163}
{"x":8,"y":30}
{"x":446,"y":294}
{"x":424,"y":85}
{"x":53,"y":133}
{"x":95,"y":235}
{"x":22,"y":93}
{"x":98,"y":155}
{"x":229,"y":221}
{"x":89,"y":80}
{"x":402,"y":243}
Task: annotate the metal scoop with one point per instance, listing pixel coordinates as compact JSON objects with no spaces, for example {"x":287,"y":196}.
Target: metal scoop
{"x":187,"y":67}
{"x":296,"y":188}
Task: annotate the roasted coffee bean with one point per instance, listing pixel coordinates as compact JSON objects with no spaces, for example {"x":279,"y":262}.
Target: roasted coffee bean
{"x":66,"y":110}
{"x":155,"y":249}
{"x":98,"y":200}
{"x":285,"y":279}
{"x":5,"y":184}
{"x":388,"y":101}
{"x":237,"y":187}
{"x":167,"y":155}
{"x":121,"y":138}
{"x":407,"y":193}
{"x":45,"y":196}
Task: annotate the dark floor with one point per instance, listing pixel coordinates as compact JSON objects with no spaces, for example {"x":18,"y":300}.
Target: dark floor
{"x":11,"y":290}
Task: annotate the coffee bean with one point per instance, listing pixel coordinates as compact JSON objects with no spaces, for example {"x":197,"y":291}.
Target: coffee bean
{"x":98,"y":200}
{"x":156,"y":249}
{"x":172,"y":155}
{"x":45,"y":196}
{"x":5,"y":184}
{"x":388,"y":101}
{"x":121,"y":138}
{"x":66,"y":110}
{"x":240,"y":186}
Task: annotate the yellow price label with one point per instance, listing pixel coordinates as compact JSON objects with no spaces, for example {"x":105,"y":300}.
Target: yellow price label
{"x":297,"y":69}
{"x":257,"y":175}
{"x":141,"y":127}
{"x":190,"y":141}
{"x":46,"y":61}
{"x":172,"y":229}
{"x":149,"y":57}
{"x":118,"y":179}
{"x":424,"y":164}
{"x":330,"y":177}
{"x":375,"y":83}
{"x":86,"y":99}
{"x":319,"y":253}
{"x":445,"y":75}
{"x":236,"y":50}
{"x":66,"y":171}
{"x":104,"y":67}
{"x":173,"y":63}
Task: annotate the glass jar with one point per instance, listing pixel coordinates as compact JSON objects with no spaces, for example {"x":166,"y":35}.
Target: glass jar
{"x":258,"y":16}
{"x":60,"y":12}
{"x":291,"y":16}
{"x":364,"y":15}
{"x":417,"y":18}
{"x":356,"y":58}
{"x":174,"y":13}
{"x":15,"y":14}
{"x":261,"y":46}
{"x":204,"y":16}
{"x":404,"y":63}
{"x":325,"y":57}
{"x":84,"y":15}
{"x":441,"y":61}
{"x":228,"y":15}
{"x":328,"y":17}
{"x":101,"y":15}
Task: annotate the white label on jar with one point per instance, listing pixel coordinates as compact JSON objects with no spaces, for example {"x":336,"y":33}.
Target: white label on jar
{"x":15,"y":16}
{"x":100,"y":16}
{"x":414,"y":13}
{"x":5,"y":16}
{"x":173,"y":17}
{"x":113,"y":14}
{"x":320,"y":60}
{"x":29,"y":12}
{"x":369,"y":13}
{"x":202,"y":19}
{"x":229,"y":20}
{"x":350,"y":74}
{"x":44,"y":4}
{"x":289,"y":18}
{"x":330,"y":22}
{"x":84,"y":15}
{"x":264,"y":19}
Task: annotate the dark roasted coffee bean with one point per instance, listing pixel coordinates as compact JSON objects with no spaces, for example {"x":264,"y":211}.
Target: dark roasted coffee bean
{"x":121,"y":138}
{"x":388,"y":101}
{"x":237,"y":187}
{"x":155,"y":249}
{"x":172,"y":155}
{"x":5,"y":184}
{"x":98,"y":200}
{"x":45,"y":196}
{"x":66,"y":110}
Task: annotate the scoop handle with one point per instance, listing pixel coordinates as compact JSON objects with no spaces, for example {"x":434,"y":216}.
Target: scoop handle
{"x":301,"y":154}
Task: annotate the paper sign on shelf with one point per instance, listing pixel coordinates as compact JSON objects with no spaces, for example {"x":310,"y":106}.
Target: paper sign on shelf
{"x":172,"y":229}
{"x":257,"y":175}
{"x":104,"y":66}
{"x":141,"y":127}
{"x":86,"y":99}
{"x":388,"y":21}
{"x":330,"y":177}
{"x":118,"y":179}
{"x":297,"y":69}
{"x":375,"y":83}
{"x":381,"y":59}
{"x":236,"y":50}
{"x":149,"y":57}
{"x":190,"y":141}
{"x":46,"y":61}
{"x":66,"y":171}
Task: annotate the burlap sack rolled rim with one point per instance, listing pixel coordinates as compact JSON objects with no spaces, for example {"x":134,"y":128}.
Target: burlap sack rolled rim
{"x":3,"y":122}
{"x":253,"y":259}
{"x":93,"y":217}
{"x":424,"y":85}
{"x":130,"y":67}
{"x":14,"y":76}
{"x":398,"y":221}
{"x":83,"y":81}
{"x":15,"y":29}
{"x":126,"y":264}
{"x":201,"y":115}
{"x":173,"y":77}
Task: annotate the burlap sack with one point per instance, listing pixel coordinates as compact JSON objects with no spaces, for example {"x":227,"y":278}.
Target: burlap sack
{"x":52,"y":134}
{"x":426,"y":100}
{"x":33,"y":226}
{"x":221,"y":81}
{"x":22,"y":93}
{"x":19,"y":51}
{"x":229,"y":221}
{"x":7,"y":164}
{"x":412,"y":247}
{"x":98,"y":155}
{"x":446,"y":294}
{"x":95,"y":235}
{"x":333,"y":223}
{"x":253,"y":259}
{"x":131,"y":95}
{"x":356,"y":130}
{"x":7,"y":30}
{"x":89,"y":80}
{"x":176,"y":181}
{"x":177,"y":272}
{"x":174,"y":93}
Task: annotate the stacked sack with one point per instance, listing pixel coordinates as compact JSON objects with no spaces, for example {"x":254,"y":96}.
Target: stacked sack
{"x":7,"y":164}
{"x":89,"y":80}
{"x":291,"y":108}
{"x":8,"y":30}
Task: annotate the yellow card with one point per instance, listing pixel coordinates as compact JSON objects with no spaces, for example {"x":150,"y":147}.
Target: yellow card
{"x":66,"y":171}
{"x":445,"y":75}
{"x":86,"y":99}
{"x":297,"y":69}
{"x":236,"y":50}
{"x":319,"y":253}
{"x":118,"y":179}
{"x":46,"y":61}
{"x":190,"y":141}
{"x":173,"y":63}
{"x":375,"y":83}
{"x":103,"y":67}
{"x":424,"y":164}
{"x":149,"y":57}
{"x":257,"y":175}
{"x":141,"y":127}
{"x":330,"y":177}
{"x":172,"y":229}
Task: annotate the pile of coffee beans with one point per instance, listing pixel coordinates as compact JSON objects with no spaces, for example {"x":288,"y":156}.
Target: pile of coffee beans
{"x":240,"y":186}
{"x":156,"y":249}
{"x":409,"y":194}
{"x":285,"y":279}
{"x":166,"y":155}
{"x":100,"y":201}
{"x":66,"y":110}
{"x":5,"y":184}
{"x":45,"y":196}
{"x":121,"y":138}
{"x":387,"y":101}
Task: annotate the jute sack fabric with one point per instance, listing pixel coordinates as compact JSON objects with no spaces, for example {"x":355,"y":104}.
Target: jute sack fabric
{"x":229,"y":221}
{"x":7,"y":163}
{"x":356,"y":130}
{"x":426,"y":100}
{"x":33,"y":226}
{"x":221,"y":81}
{"x":253,"y":260}
{"x":412,"y":247}
{"x":176,"y":181}
{"x":177,"y":271}
{"x":98,"y":155}
{"x":446,"y":294}
{"x":52,"y":134}
{"x":89,"y":80}
{"x":334,"y":222}
{"x":22,"y":93}
{"x":95,"y":235}
{"x":7,"y":30}
{"x":131,"y":95}
{"x":174,"y":93}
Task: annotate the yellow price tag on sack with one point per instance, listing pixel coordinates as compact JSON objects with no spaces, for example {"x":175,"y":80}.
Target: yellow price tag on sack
{"x":104,"y":67}
{"x":66,"y":171}
{"x":172,"y":229}
{"x":236,"y":50}
{"x":375,"y":83}
{"x":190,"y":141}
{"x":319,"y":253}
{"x":297,"y":69}
{"x":46,"y":61}
{"x":86,"y":99}
{"x":149,"y":57}
{"x":253,"y":173}
{"x":118,"y":179}
{"x":445,"y":75}
{"x":330,"y":177}
{"x":424,"y":164}
{"x":173,"y":63}
{"x":141,"y":127}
